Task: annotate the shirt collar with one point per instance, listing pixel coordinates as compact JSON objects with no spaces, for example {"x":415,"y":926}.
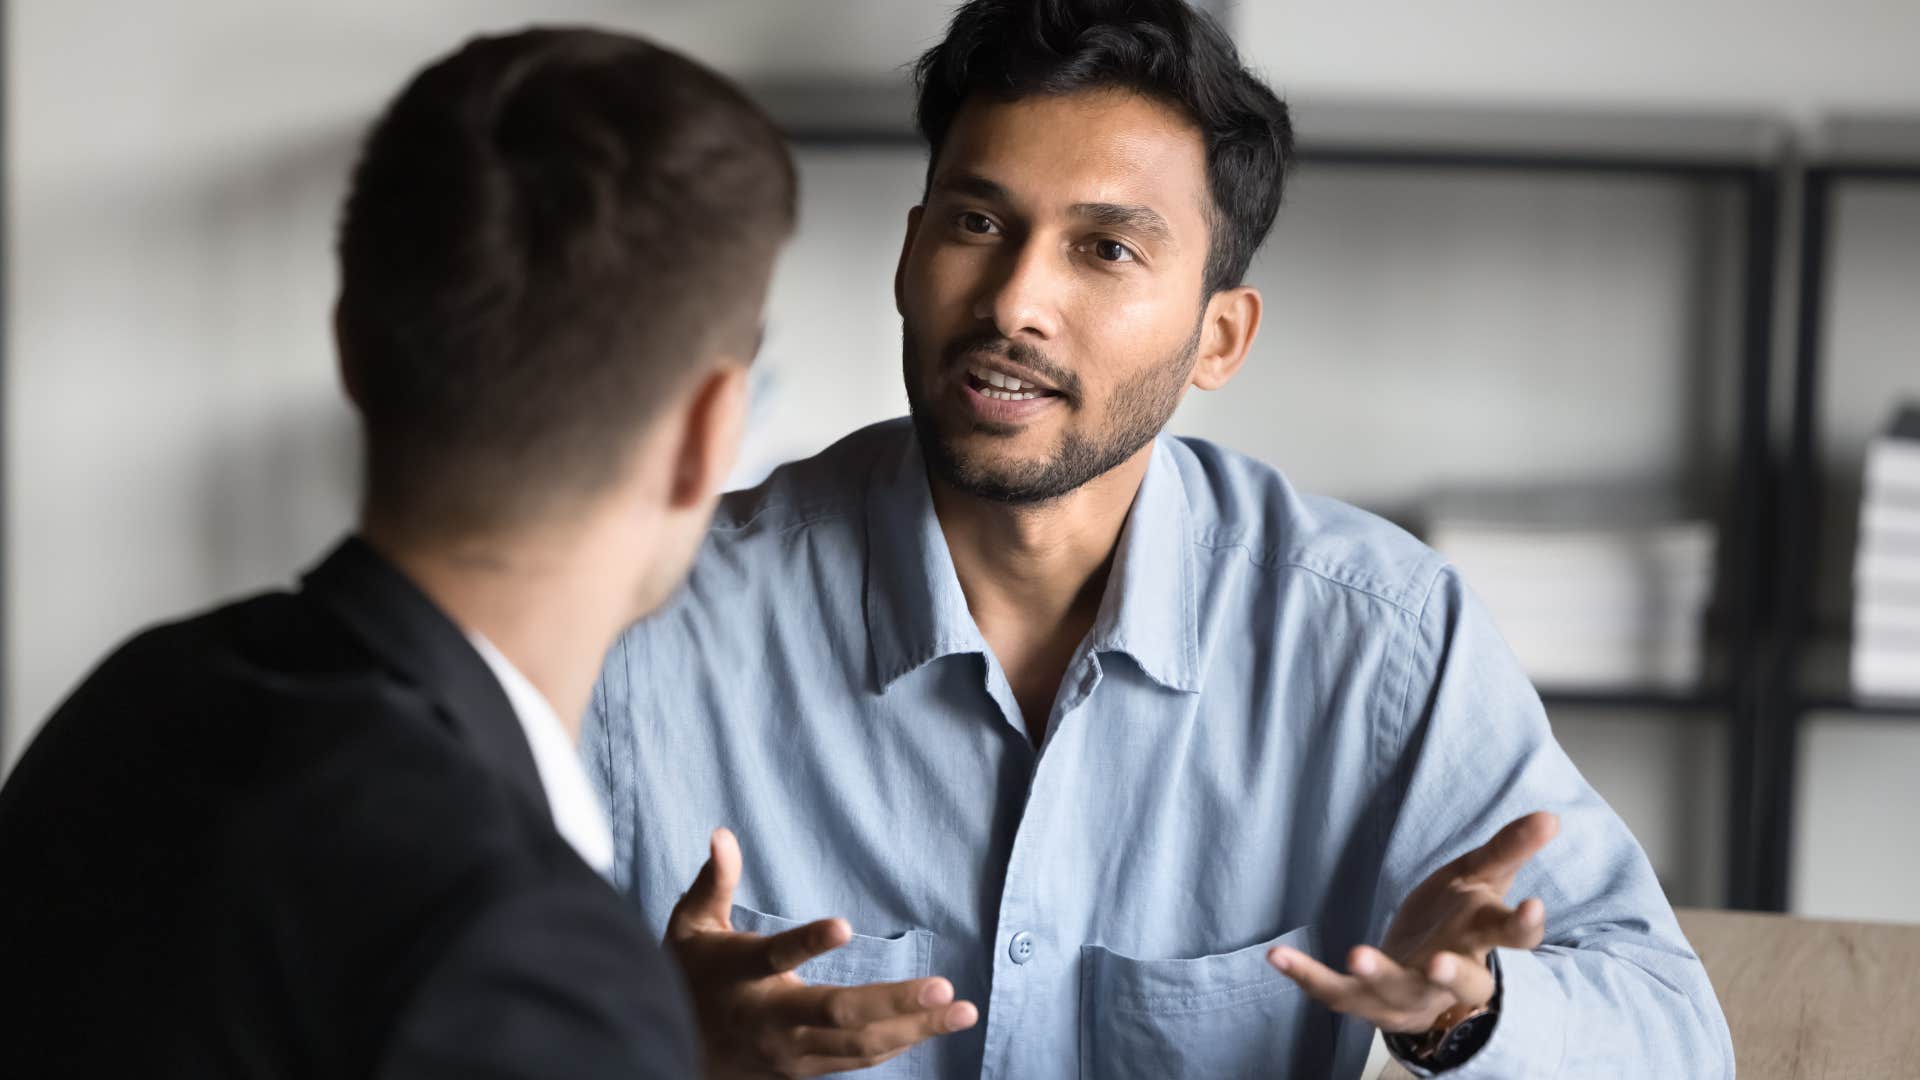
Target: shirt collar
{"x":1150,"y":611}
{"x":577,"y":813}
{"x":917,"y":613}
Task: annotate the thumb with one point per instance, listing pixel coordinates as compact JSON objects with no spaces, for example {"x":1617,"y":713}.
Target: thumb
{"x":708,"y":903}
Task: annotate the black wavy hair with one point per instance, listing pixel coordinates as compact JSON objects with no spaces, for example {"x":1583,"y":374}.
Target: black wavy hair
{"x":1010,"y":49}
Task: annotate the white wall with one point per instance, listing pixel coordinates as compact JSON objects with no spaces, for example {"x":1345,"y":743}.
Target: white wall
{"x":831,"y":359}
{"x":1797,"y":56}
{"x":1854,"y":830}
{"x":174,"y":435}
{"x":1664,"y":772}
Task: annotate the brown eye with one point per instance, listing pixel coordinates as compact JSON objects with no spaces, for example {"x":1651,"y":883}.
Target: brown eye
{"x":977,"y":224}
{"x":1112,"y":251}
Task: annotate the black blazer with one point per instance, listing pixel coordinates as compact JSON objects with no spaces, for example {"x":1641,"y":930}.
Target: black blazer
{"x":303,"y":836}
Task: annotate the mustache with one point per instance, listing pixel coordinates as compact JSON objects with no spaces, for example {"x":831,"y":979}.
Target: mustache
{"x":958,"y":351}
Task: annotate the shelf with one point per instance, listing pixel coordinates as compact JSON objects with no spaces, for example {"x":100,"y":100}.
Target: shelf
{"x":1890,"y":708}
{"x":1868,"y":146}
{"x":1364,"y":132}
{"x":1373,"y":133}
{"x":1638,"y":698}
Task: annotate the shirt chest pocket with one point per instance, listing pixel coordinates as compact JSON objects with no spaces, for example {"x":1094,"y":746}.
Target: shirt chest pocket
{"x":860,"y":961}
{"x":1219,"y":1017}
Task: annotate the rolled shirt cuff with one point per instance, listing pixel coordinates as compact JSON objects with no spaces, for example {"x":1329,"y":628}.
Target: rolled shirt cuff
{"x":1529,"y":1035}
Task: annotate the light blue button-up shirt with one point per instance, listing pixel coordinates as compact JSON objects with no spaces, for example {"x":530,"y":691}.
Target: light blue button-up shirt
{"x":1288,"y":714}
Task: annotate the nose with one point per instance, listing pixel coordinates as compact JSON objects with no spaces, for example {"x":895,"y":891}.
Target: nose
{"x":1023,"y":298}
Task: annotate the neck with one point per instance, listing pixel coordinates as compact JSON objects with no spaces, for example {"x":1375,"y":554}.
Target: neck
{"x":1044,"y":566}
{"x":538,"y":595}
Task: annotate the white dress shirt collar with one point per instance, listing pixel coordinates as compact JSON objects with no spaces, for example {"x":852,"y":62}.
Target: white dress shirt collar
{"x":577,"y":812}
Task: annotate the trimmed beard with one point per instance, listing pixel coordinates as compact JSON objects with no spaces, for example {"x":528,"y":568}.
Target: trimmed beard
{"x":1137,"y":412}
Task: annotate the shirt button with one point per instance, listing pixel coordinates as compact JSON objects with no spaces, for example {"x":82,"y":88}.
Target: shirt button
{"x":1020,"y":949}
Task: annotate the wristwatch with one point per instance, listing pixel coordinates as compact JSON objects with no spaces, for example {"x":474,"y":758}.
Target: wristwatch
{"x":1455,"y":1036}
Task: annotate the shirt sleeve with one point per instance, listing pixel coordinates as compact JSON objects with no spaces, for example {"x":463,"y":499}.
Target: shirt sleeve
{"x":1614,"y":990}
{"x":546,"y":984}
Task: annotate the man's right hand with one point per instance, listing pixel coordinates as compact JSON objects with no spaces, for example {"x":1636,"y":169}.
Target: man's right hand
{"x":758,"y":1019}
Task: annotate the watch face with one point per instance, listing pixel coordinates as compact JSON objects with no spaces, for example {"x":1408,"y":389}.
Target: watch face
{"x":1465,"y":1039}
{"x":1446,"y":1047}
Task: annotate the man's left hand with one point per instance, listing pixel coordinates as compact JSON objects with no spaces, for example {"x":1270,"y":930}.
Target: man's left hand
{"x":1434,"y":958}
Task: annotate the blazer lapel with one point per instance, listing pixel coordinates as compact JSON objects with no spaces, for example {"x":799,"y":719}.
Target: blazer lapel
{"x":414,"y":639}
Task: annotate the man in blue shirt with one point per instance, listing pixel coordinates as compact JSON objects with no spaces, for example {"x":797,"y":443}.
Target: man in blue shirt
{"x":1162,"y":766}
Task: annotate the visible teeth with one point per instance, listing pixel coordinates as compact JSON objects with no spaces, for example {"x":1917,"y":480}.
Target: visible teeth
{"x":1010,"y":383}
{"x":1002,"y":387}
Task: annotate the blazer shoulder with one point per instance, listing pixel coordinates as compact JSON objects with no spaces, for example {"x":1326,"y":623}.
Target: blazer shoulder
{"x":273,"y":637}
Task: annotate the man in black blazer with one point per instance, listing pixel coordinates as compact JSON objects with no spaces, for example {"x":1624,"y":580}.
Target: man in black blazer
{"x":342,"y":831}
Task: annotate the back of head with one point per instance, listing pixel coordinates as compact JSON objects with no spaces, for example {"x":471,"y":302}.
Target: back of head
{"x":548,"y":236}
{"x":1164,"y":49}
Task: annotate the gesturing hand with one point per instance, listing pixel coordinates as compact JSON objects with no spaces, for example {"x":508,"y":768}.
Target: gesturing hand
{"x":758,"y":1019}
{"x":1434,"y":958}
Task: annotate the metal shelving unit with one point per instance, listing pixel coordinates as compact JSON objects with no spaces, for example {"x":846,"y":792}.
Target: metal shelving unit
{"x":1850,"y":151}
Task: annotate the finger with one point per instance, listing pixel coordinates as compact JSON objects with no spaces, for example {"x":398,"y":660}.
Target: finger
{"x":1500,"y":858}
{"x":1394,"y":985}
{"x":875,"y":1042}
{"x":1526,"y":926}
{"x":708,"y":903}
{"x":1496,"y":926}
{"x":1347,"y":994}
{"x":1466,"y":979}
{"x":1330,"y":988}
{"x":856,"y":1006}
{"x":791,"y":948}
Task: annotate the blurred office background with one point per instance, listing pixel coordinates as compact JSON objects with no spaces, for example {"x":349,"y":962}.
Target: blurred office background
{"x":1537,"y":292}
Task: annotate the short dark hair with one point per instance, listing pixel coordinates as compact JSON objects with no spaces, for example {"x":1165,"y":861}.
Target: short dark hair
{"x":1010,"y":49}
{"x":546,"y":234}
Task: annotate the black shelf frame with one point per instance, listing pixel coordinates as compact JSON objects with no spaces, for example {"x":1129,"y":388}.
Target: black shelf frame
{"x":1789,"y":699}
{"x":852,"y":118}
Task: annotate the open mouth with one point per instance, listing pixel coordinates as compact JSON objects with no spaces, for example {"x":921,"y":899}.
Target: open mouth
{"x":1000,"y":386}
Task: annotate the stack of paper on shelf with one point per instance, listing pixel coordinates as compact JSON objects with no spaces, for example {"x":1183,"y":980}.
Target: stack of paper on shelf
{"x":1886,"y":567}
{"x":1593,"y":590}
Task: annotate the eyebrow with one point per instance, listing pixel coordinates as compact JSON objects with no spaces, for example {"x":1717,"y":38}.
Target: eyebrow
{"x":975,"y":185}
{"x":1142,"y":220}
